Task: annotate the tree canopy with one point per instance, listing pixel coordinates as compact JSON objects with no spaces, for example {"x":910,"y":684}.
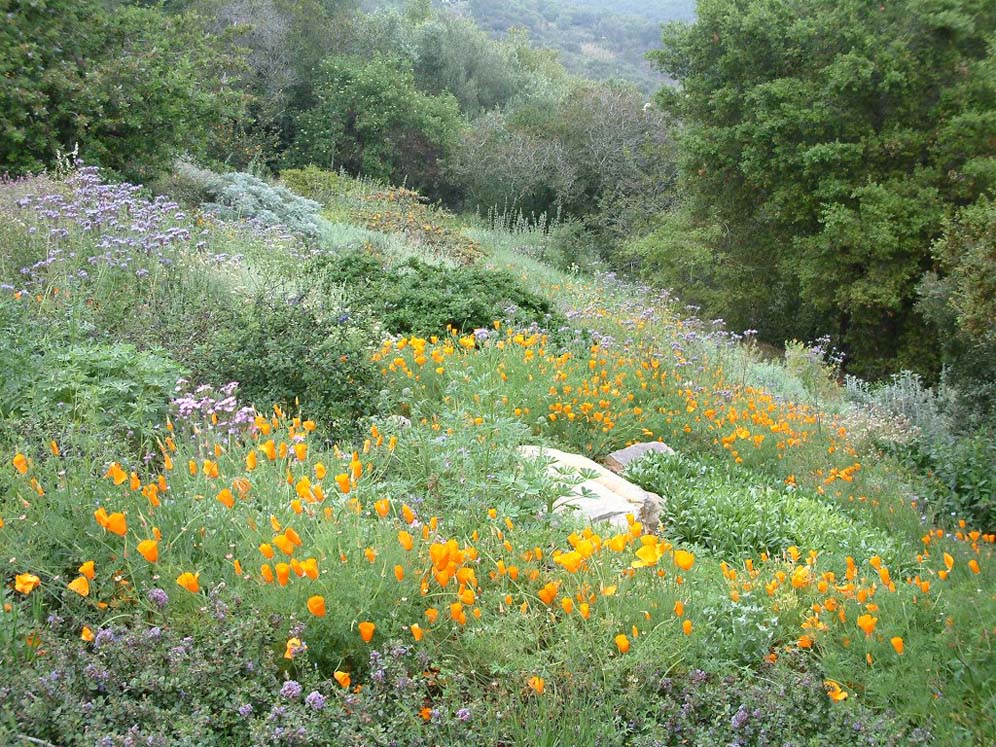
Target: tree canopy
{"x":827,"y":141}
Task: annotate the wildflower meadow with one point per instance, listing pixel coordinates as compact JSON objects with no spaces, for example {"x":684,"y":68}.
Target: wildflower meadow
{"x":244,"y":500}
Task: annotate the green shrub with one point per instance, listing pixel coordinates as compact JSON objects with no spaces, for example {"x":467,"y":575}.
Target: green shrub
{"x":738,"y":515}
{"x":416,"y":297}
{"x":85,"y":392}
{"x":284,"y":351}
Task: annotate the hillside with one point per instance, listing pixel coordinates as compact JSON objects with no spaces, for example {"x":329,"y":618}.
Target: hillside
{"x":597,"y":40}
{"x":368,"y":378}
{"x":331,"y":502}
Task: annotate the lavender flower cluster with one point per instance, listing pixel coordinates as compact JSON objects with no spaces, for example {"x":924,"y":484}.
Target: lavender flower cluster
{"x":96,"y":225}
{"x":205,"y":409}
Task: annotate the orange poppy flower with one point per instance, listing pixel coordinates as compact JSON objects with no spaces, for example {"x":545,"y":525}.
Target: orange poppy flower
{"x":116,"y":474}
{"x":251,"y":461}
{"x":266,"y":572}
{"x":867,"y":623}
{"x":684,"y":559}
{"x":834,"y":690}
{"x":226,"y":498}
{"x":293,"y":536}
{"x":149,"y":549}
{"x":382,"y":507}
{"x":283,"y":573}
{"x":406,"y":540}
{"x":87,"y":570}
{"x":293,"y":648}
{"x":81,"y":586}
{"x":417,"y":631}
{"x":548,"y":593}
{"x":189,"y":581}
{"x":316,"y":606}
{"x":536,"y":684}
{"x":622,"y":643}
{"x":26,"y":582}
{"x":686,"y":627}
{"x":342,"y":678}
{"x":20,"y":463}
{"x":897,"y":644}
{"x":367,"y":631}
{"x":342,"y":480}
{"x":269,"y":449}
{"x":86,"y":634}
{"x":399,"y":573}
{"x":432,"y":614}
{"x":407,"y":514}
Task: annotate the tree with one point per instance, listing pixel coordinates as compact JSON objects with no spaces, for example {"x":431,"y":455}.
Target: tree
{"x":131,"y":86}
{"x":827,"y":139}
{"x":371,"y":119}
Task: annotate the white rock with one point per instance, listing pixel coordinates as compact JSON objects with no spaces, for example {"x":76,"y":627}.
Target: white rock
{"x":605,"y":497}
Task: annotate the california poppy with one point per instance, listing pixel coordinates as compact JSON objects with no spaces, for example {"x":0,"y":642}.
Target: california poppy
{"x":189,"y":581}
{"x":26,"y":582}
{"x":316,"y":606}
{"x":367,"y":631}
{"x":81,"y":586}
{"x":684,"y":559}
{"x":149,"y":549}
{"x":20,"y":463}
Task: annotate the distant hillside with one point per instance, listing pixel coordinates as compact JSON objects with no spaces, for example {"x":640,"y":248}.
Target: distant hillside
{"x":599,"y":39}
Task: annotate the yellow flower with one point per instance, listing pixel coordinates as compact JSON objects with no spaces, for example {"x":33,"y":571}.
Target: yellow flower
{"x":26,"y":582}
{"x":342,"y":678}
{"x":81,"y":586}
{"x":834,"y":690}
{"x":87,"y":570}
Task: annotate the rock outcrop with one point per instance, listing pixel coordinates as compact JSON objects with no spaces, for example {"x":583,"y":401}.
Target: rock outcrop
{"x":605,"y":497}
{"x":618,"y":460}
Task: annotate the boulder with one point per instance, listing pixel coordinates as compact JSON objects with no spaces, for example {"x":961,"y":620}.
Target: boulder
{"x":604,"y":497}
{"x":617,"y":461}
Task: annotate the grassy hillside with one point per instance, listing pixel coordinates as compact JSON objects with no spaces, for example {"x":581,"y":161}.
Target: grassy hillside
{"x":324,"y":534}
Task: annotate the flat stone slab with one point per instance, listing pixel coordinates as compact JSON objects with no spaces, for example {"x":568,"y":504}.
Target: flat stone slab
{"x":605,"y":497}
{"x":617,"y":461}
